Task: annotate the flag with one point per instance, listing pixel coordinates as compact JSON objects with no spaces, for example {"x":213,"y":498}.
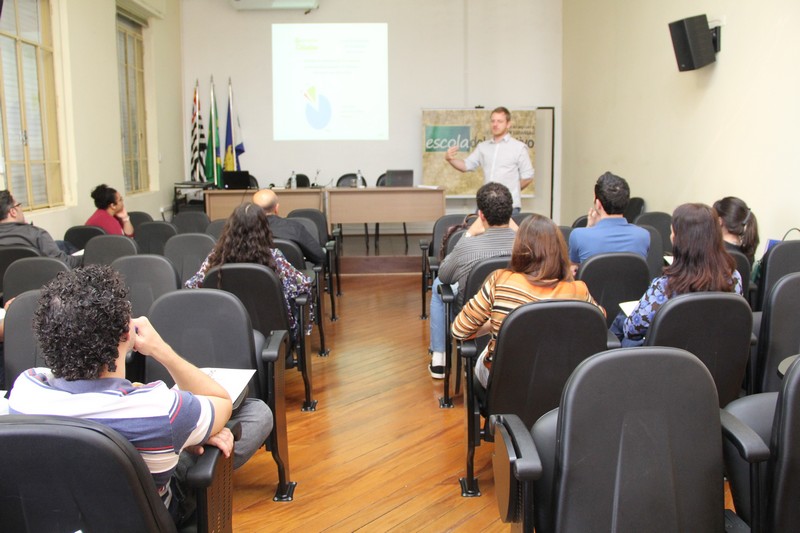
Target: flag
{"x":234,"y":146}
{"x":197,"y":171}
{"x":213,"y":161}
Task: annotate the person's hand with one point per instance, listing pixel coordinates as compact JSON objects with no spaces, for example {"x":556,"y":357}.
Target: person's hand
{"x":222,"y":440}
{"x":8,"y":302}
{"x":592,"y":217}
{"x":451,"y":153}
{"x":146,"y":338}
{"x":122,"y":214}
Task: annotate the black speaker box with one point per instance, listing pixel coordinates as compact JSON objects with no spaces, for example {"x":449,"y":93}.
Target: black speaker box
{"x":693,"y":42}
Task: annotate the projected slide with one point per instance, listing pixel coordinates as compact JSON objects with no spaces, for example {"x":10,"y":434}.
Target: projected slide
{"x":330,"y":82}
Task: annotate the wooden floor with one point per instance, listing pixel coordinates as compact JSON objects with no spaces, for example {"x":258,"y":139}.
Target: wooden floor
{"x":378,"y":454}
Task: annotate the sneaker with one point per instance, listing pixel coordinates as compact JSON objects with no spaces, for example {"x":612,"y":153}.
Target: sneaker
{"x":437,"y":372}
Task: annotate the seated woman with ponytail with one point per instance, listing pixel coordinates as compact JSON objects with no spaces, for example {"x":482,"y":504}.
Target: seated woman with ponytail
{"x":739,"y":226}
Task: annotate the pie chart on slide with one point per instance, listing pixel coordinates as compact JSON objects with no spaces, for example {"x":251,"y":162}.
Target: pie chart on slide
{"x":318,"y":109}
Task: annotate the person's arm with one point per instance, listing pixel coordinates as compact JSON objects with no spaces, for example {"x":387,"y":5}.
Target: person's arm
{"x":524,"y":183}
{"x":525,"y":168}
{"x":638,"y":322}
{"x":474,"y":318}
{"x":48,"y":247}
{"x":127,"y":227}
{"x":196,"y":281}
{"x":455,"y":162}
{"x":187,"y":377}
{"x":310,"y":246}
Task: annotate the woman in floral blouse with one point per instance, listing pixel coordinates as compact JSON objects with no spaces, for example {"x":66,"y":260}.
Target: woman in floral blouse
{"x":246,"y":238}
{"x":700,"y":263}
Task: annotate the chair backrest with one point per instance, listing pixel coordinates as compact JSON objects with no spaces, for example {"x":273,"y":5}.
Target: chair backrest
{"x":21,"y":349}
{"x":538,"y":347}
{"x":258,"y":288}
{"x":292,"y":252}
{"x":479,"y":272}
{"x":655,"y":253}
{"x":350,"y":180}
{"x":580,"y":222}
{"x":152,"y":236}
{"x":319,"y":219}
{"x":439,"y":229}
{"x":716,"y":328}
{"x":137,"y":217}
{"x":381,"y":182}
{"x":781,"y":259}
{"x":301,"y":181}
{"x":30,"y":273}
{"x":779,"y":336}
{"x":613,"y":278}
{"x":9,"y":254}
{"x":215,"y":228}
{"x":309,"y":225}
{"x":78,"y":475}
{"x":663,"y":223}
{"x":78,"y":236}
{"x":634,"y":209}
{"x":453,"y":239}
{"x":103,"y":249}
{"x":147,"y":276}
{"x":565,"y":231}
{"x":209,"y":327}
{"x":191,"y":222}
{"x":187,"y":251}
{"x":519,"y":217}
{"x":743,"y":266}
{"x":639,"y":445}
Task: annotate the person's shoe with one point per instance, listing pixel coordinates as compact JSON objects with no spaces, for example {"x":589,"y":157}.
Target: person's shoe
{"x":437,"y":372}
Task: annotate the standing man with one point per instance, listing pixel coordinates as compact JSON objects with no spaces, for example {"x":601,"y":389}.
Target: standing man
{"x":286,"y":228}
{"x":15,"y":231}
{"x":607,"y":230}
{"x":503,"y":159}
{"x":494,"y":212}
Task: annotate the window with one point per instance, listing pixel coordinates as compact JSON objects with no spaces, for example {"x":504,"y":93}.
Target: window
{"x":30,"y":166}
{"x":131,"y":105}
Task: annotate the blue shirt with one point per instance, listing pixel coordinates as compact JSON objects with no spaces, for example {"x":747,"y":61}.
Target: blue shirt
{"x":609,"y":235}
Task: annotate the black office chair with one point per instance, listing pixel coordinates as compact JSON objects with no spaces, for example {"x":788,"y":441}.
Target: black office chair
{"x":655,"y":253}
{"x":30,"y":273}
{"x":519,"y":217}
{"x":663,"y":223}
{"x":211,"y":328}
{"x":152,"y":236}
{"x":382,"y":183}
{"x":635,"y":445}
{"x":301,"y":181}
{"x":147,"y":277}
{"x":783,"y":258}
{"x":103,"y":249}
{"x":580,"y":222}
{"x":78,"y":236}
{"x":743,"y":266}
{"x":70,"y":474}
{"x":21,"y":349}
{"x":187,"y":251}
{"x":138,"y":217}
{"x":475,"y":280}
{"x":761,"y":457}
{"x":291,"y":251}
{"x":261,"y":292}
{"x":613,"y":278}
{"x":779,"y":336}
{"x":215,"y":228}
{"x":353,"y":180}
{"x":191,"y":222}
{"x":634,"y":209}
{"x":715,"y":327}
{"x":565,"y":231}
{"x":9,"y":254}
{"x":430,"y":254}
{"x":328,"y":241}
{"x":538,"y":347}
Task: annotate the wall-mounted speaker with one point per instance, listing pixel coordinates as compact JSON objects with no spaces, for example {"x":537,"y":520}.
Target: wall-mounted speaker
{"x":693,"y":42}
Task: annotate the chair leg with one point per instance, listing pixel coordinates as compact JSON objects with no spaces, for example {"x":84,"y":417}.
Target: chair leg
{"x":304,"y":365}
{"x":323,"y":351}
{"x":278,"y":442}
{"x":377,"y":234}
{"x":446,"y":402}
{"x":338,"y":272}
{"x":405,"y":235}
{"x":424,"y":286}
{"x":366,"y":237}
{"x":469,"y":483}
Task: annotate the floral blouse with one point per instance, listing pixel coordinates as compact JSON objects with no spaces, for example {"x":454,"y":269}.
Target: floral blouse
{"x":638,"y":322}
{"x":294,"y":284}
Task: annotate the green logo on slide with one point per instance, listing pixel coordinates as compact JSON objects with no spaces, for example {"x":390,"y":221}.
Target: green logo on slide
{"x":440,"y":138}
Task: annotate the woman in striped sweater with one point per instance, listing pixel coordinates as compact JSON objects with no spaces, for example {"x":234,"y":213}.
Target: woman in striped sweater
{"x":539,"y":270}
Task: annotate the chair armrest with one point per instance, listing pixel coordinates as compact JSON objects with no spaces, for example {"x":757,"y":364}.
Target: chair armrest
{"x":433,"y":263}
{"x":423,"y":245}
{"x":448,"y":296}
{"x":528,"y":465}
{"x":749,"y":444}
{"x":301,"y":300}
{"x":201,"y":474}
{"x":469,"y":351}
{"x":612,"y":342}
{"x":272,"y":346}
{"x":336,"y":232}
{"x":330,"y":246}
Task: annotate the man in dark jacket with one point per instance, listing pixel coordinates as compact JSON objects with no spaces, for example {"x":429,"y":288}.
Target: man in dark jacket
{"x":288,"y":229}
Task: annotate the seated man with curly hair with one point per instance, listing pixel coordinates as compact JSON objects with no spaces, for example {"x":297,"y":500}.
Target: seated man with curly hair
{"x":84,"y":327}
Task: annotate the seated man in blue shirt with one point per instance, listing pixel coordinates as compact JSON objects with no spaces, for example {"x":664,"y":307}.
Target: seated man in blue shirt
{"x":607,"y":230}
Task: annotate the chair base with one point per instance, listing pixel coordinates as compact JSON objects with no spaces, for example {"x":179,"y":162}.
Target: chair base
{"x":309,"y":405}
{"x":446,"y":402}
{"x":285,"y":495}
{"x":324,"y":353}
{"x":469,"y":488}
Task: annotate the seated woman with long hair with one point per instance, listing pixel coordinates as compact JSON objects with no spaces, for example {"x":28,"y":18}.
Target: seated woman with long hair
{"x":539,"y":270}
{"x":699,"y":263}
{"x":246,"y":238}
{"x":739,"y":226}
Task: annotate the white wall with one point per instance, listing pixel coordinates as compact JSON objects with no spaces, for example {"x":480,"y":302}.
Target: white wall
{"x":727,"y":129}
{"x":442,"y":53}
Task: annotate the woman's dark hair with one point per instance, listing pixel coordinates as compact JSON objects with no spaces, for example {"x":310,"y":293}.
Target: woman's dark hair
{"x":700,"y":262}
{"x":104,"y":196}
{"x":246,"y":238}
{"x":740,"y":221}
{"x":81,"y":317}
{"x":540,"y":251}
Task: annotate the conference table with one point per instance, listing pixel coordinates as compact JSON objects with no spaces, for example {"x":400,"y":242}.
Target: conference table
{"x":344,"y":205}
